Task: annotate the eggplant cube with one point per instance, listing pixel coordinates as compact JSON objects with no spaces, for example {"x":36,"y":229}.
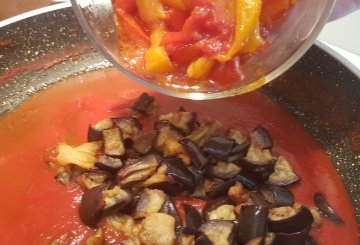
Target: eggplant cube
{"x":113,"y":142}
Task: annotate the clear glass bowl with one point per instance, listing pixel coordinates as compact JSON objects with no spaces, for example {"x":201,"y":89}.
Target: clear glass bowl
{"x":288,"y":42}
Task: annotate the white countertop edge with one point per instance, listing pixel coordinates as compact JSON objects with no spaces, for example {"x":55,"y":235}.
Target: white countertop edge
{"x":348,"y":59}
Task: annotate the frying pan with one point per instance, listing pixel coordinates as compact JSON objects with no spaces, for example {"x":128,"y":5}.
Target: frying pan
{"x":322,"y":90}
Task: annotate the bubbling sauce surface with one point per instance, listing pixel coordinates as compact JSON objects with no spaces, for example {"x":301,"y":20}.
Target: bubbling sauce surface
{"x":35,"y":209}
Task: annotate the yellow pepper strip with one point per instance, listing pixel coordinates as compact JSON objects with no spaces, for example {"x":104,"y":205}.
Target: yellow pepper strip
{"x":156,"y":57}
{"x":247,"y":17}
{"x":176,"y":4}
{"x":200,"y":68}
{"x":157,"y":36}
{"x":157,"y":60}
{"x":151,"y":12}
{"x":254,"y":41}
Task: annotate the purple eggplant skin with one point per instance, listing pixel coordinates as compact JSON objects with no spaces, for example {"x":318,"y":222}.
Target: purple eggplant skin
{"x":91,"y":206}
{"x":197,"y":156}
{"x":143,"y":103}
{"x":193,"y":220}
{"x":277,"y":196}
{"x":295,"y":238}
{"x":258,"y":173}
{"x":213,"y":204}
{"x":219,"y":147}
{"x":252,"y":222}
{"x":197,"y":173}
{"x":94,"y":134}
{"x":203,"y":240}
{"x":258,"y":198}
{"x":177,"y":171}
{"x":144,"y":143}
{"x":322,"y":204}
{"x":221,"y":189}
{"x":169,"y":208}
{"x":249,"y":184}
{"x":299,"y":221}
{"x":119,"y":206}
{"x":107,"y":163}
{"x":262,"y":137}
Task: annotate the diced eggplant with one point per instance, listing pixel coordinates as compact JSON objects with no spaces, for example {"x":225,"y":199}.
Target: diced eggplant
{"x":262,"y":137}
{"x":204,"y":132}
{"x":220,"y":208}
{"x":95,"y":131}
{"x":151,"y":201}
{"x":162,"y":181}
{"x":325,"y":208}
{"x":237,"y":136}
{"x":68,"y":174}
{"x":193,"y":220}
{"x":169,"y":208}
{"x":258,"y":164}
{"x":238,"y":194}
{"x":82,"y":155}
{"x":257,"y":198}
{"x":289,"y":219}
{"x":113,"y":142}
{"x":116,"y":199}
{"x":197,"y":173}
{"x":203,"y":240}
{"x":111,"y":164}
{"x":219,"y":147}
{"x":144,"y":142}
{"x":166,"y":133}
{"x":221,"y":188}
{"x":94,"y":178}
{"x":91,"y":206}
{"x":283,"y":173}
{"x":252,"y":222}
{"x":157,"y":229}
{"x":219,"y":231}
{"x":180,"y":173}
{"x":197,"y":156}
{"x":277,"y":196}
{"x":223,"y":170}
{"x":138,"y":170}
{"x":294,"y":238}
{"x":238,"y":151}
{"x":256,"y":241}
{"x":249,"y":184}
{"x":144,"y":104}
{"x":129,"y":127}
{"x":185,"y":121}
{"x":317,"y":217}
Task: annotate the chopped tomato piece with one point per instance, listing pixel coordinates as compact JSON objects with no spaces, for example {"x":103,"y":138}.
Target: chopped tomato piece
{"x":183,"y":54}
{"x":227,"y":73}
{"x":129,"y":6}
{"x":273,"y":11}
{"x":175,"y":19}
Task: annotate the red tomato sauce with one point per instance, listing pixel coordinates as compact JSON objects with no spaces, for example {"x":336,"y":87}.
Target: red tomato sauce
{"x":35,"y":209}
{"x":188,"y":39}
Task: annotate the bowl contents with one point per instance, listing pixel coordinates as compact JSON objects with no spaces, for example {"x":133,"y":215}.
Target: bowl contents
{"x":194,"y":41}
{"x":186,"y":181}
{"x":194,"y":183}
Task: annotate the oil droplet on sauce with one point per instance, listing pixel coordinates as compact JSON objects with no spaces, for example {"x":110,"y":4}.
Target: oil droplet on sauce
{"x":35,"y":209}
